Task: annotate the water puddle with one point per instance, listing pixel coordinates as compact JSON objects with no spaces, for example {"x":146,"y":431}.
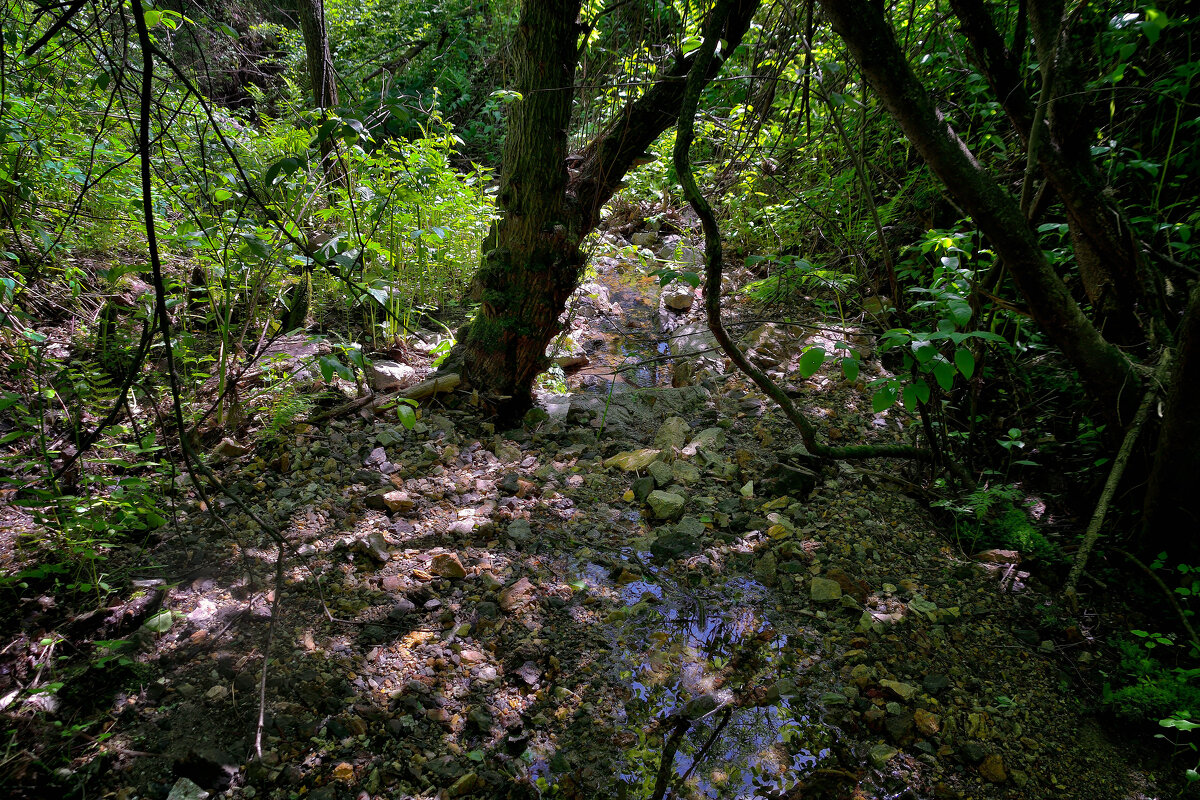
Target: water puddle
{"x":626,"y":347}
{"x":706,"y":667}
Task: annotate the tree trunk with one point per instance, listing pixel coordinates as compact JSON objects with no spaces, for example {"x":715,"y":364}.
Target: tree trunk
{"x":1172,"y":506}
{"x":320,"y":73}
{"x":1106,"y":372}
{"x":525,"y":280}
{"x":532,"y":261}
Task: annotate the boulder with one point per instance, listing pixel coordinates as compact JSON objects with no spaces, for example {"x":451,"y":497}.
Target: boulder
{"x":632,"y":460}
{"x":666,"y":505}
{"x":388,"y":376}
{"x":672,"y":434}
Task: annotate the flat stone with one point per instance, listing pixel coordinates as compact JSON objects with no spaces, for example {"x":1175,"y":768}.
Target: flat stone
{"x":398,"y":501}
{"x":709,"y":440}
{"x":824,"y":590}
{"x":902,"y":690}
{"x":447,"y":565}
{"x":632,"y":460}
{"x":881,"y":754}
{"x":666,"y":505}
{"x":519,"y":529}
{"x":517,"y":596}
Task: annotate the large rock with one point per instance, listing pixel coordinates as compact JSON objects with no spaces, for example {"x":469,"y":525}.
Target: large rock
{"x":632,"y":460}
{"x":388,"y":376}
{"x":666,"y":505}
{"x":823,"y":590}
{"x":709,"y":440}
{"x":644,"y":238}
{"x":678,"y":296}
{"x":517,"y":596}
{"x":672,"y":434}
{"x":768,"y":345}
{"x":674,"y":544}
{"x":447,"y":565}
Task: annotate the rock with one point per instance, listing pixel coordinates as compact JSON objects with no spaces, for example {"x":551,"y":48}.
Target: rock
{"x":376,"y":457}
{"x":666,"y":505}
{"x":632,"y":460}
{"x":401,"y":609}
{"x":375,"y":546}
{"x":398,"y":501}
{"x":992,"y":769}
{"x":644,"y":238}
{"x":927,"y":722}
{"x":388,"y":376}
{"x":672,"y":434}
{"x":673,"y":544}
{"x":679,"y":296}
{"x":228,"y":448}
{"x":902,"y":690}
{"x":642,"y":487}
{"x":974,"y":752}
{"x":661,"y":472}
{"x":767,"y":345}
{"x":185,"y":789}
{"x":998,"y":557}
{"x":934,"y":683}
{"x":447,"y":565}
{"x":519,"y":530}
{"x":881,"y":754}
{"x":709,"y":440}
{"x":217,"y":693}
{"x":684,"y":472}
{"x":517,"y":596}
{"x":209,"y":768}
{"x":467,"y":784}
{"x":824,"y":590}
{"x":344,"y":772}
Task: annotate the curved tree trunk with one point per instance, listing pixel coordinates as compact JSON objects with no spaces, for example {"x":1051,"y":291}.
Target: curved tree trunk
{"x":533,"y":261}
{"x":1106,"y":372}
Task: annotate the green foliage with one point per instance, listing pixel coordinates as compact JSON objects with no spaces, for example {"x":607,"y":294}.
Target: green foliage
{"x":993,"y":516}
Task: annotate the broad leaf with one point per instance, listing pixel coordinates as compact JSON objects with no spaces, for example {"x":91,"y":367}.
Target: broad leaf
{"x":811,"y":361}
{"x":884,"y":398}
{"x":943,"y":372}
{"x":850,"y":368}
{"x":965,"y":362}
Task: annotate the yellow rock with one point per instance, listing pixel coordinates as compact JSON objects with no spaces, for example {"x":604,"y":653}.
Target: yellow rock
{"x":628,"y":496}
{"x":343,"y":772}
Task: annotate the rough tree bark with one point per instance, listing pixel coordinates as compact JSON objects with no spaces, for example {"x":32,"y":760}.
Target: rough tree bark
{"x":319,"y":62}
{"x":533,"y":261}
{"x":1106,"y":372}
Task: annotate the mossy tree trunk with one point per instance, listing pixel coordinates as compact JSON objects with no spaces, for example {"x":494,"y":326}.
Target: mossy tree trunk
{"x":532,"y":262}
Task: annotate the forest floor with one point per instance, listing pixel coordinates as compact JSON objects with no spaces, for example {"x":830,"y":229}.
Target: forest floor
{"x":547,"y":611}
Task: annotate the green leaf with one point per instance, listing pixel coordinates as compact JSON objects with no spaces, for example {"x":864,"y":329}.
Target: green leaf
{"x":943,"y":373}
{"x":924,"y":352}
{"x":475,"y":755}
{"x":884,"y":398}
{"x":922,"y":389}
{"x":160,"y":622}
{"x":850,"y":368}
{"x":965,"y":362}
{"x":909,"y":397}
{"x":153,"y":17}
{"x":406,"y":415}
{"x":811,"y":361}
{"x":221,"y":195}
